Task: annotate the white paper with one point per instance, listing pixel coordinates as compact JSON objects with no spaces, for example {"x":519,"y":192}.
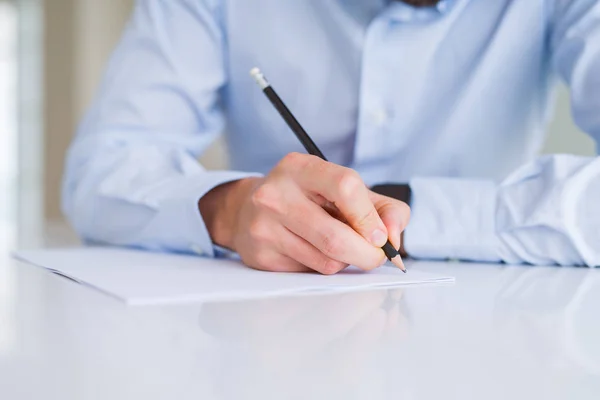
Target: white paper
{"x":143,"y":278}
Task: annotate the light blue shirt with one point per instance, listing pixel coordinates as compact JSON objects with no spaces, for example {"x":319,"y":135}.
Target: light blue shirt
{"x":453,"y":99}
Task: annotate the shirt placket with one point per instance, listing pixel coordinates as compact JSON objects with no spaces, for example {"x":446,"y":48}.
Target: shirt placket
{"x":375,"y":111}
{"x":382,"y":73}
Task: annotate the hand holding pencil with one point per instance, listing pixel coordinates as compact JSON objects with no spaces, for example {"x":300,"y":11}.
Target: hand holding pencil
{"x":307,"y":214}
{"x":388,"y":248}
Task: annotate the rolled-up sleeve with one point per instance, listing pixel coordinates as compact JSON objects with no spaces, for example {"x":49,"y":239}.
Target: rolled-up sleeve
{"x":546,"y":212}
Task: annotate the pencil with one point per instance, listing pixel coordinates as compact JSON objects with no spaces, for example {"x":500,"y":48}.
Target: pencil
{"x":390,"y":252}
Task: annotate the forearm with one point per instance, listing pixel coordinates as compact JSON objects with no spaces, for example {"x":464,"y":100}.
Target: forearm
{"x":132,"y":177}
{"x":545,"y":213}
{"x":139,"y":196}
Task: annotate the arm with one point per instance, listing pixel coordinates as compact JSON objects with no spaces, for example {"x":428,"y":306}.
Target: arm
{"x":132,"y":177}
{"x":546,"y":212}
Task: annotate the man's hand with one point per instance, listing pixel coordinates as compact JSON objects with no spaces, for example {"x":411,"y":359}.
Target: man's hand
{"x":307,"y":214}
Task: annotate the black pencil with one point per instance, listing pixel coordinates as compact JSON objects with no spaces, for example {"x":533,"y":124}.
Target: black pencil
{"x":390,"y":252}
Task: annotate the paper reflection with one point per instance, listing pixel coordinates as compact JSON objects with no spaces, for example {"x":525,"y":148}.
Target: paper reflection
{"x":307,"y":345}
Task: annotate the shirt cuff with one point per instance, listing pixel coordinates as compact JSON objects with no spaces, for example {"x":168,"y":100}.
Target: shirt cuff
{"x":179,"y":224}
{"x":452,"y":218}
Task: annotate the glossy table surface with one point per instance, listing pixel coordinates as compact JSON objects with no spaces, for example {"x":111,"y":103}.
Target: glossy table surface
{"x":500,"y":332}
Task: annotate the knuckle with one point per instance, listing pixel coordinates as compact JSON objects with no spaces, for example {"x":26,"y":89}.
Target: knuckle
{"x":266,"y":196}
{"x":376,"y":262}
{"x":262,"y":259}
{"x":332,"y":245}
{"x":331,"y":267}
{"x":292,"y":160}
{"x":258,"y":230}
{"x":349,"y":183}
{"x":368,"y":219}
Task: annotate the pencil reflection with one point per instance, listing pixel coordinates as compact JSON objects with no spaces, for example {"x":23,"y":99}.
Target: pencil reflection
{"x":326,"y":340}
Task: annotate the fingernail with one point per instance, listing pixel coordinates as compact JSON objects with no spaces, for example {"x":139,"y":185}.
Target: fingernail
{"x":378,"y":237}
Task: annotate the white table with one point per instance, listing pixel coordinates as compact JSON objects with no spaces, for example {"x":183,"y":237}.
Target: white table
{"x":499,"y":333}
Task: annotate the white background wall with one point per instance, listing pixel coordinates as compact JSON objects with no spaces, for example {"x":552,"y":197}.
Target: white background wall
{"x":8,"y":114}
{"x":564,"y":136}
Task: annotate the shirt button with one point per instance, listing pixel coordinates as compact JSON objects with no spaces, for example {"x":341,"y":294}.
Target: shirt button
{"x":380,"y":117}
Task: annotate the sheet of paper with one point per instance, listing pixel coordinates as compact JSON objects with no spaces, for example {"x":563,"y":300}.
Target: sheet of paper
{"x":143,"y":278}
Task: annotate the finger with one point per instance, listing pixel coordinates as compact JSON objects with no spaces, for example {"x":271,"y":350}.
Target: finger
{"x":333,"y":238}
{"x":346,"y":190}
{"x":306,"y":254}
{"x":266,"y":260}
{"x":395,"y":214}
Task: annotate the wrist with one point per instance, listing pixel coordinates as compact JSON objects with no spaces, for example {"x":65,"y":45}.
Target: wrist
{"x":220,"y":209}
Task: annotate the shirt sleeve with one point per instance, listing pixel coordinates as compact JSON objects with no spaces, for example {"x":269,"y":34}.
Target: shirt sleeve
{"x":546,"y":212}
{"x":132,"y":176}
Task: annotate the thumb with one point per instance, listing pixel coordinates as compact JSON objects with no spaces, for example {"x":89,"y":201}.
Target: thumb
{"x":395,"y":215}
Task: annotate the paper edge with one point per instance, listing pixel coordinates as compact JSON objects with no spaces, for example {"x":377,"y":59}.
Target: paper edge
{"x":17,"y":256}
{"x":232,"y":297}
{"x":228,"y":296}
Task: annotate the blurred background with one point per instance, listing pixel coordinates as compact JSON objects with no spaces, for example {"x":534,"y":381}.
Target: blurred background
{"x":52,"y":54}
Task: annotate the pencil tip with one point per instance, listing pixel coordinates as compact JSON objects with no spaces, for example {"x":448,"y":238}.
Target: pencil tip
{"x":397,"y":261}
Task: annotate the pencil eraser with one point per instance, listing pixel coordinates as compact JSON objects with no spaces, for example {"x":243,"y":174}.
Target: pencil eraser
{"x":259,"y":78}
{"x":254,"y":72}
